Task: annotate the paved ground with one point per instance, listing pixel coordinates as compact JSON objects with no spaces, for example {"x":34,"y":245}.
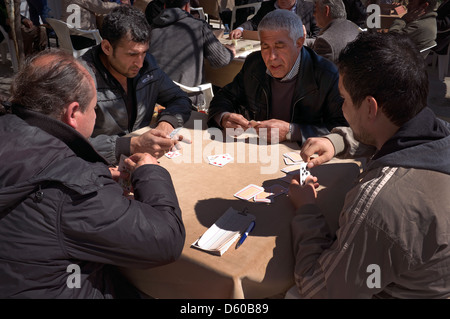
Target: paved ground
{"x":438,"y":100}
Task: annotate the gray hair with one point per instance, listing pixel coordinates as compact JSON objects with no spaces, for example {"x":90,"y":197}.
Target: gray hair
{"x":337,"y":8}
{"x":283,"y":20}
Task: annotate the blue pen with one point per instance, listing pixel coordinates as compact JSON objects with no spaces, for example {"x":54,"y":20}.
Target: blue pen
{"x":245,"y":235}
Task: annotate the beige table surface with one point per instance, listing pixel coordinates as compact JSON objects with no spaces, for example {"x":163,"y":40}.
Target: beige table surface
{"x":263,"y":266}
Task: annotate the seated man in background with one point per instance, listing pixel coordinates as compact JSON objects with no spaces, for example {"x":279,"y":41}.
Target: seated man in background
{"x":180,"y":43}
{"x":304,"y":9}
{"x":34,"y":38}
{"x":285,"y":87}
{"x":129,"y":84}
{"x":419,"y":23}
{"x":89,"y":10}
{"x":335,"y":30}
{"x":393,"y":235}
{"x":65,"y":225}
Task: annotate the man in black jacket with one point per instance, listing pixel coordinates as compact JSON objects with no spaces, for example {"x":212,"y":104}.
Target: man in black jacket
{"x":64,"y":223}
{"x":287,"y":89}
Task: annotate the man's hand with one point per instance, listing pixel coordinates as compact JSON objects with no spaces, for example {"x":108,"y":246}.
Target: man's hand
{"x":303,"y":195}
{"x":272,"y":129}
{"x":28,"y":23}
{"x":139,"y":159}
{"x":236,"y":34}
{"x":413,"y":15}
{"x":232,"y":48}
{"x":155,"y":142}
{"x":317,"y":145}
{"x":116,"y":174}
{"x":234,"y":120}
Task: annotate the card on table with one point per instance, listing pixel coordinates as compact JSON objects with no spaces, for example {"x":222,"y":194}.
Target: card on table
{"x":294,"y":156}
{"x":249,"y":191}
{"x":172,"y":154}
{"x":220,"y":160}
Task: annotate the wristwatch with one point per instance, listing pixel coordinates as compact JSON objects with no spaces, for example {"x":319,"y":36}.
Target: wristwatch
{"x":289,"y":134}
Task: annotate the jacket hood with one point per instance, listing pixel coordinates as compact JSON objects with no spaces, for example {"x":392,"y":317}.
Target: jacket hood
{"x":169,"y":16}
{"x":423,"y":143}
{"x":38,"y":157}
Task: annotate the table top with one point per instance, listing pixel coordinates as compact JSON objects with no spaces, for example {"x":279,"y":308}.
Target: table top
{"x":263,"y":266}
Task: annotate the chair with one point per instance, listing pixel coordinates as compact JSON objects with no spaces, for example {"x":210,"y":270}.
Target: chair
{"x":8,"y":45}
{"x":63,"y":32}
{"x":201,"y":13}
{"x":207,"y":90}
{"x":255,"y":5}
{"x":212,"y":9}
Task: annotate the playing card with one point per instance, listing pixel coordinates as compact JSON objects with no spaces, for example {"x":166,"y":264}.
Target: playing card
{"x":220,"y":160}
{"x":175,"y":132}
{"x":125,"y":183}
{"x":291,"y":169}
{"x":248,"y":192}
{"x":288,"y":161}
{"x":263,"y":197}
{"x":172,"y":154}
{"x":294,"y":156}
{"x":304,"y":173}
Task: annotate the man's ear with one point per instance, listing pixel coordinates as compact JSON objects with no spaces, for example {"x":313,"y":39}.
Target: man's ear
{"x":69,"y":115}
{"x":301,"y":41}
{"x":372,"y":108}
{"x":106,"y":47}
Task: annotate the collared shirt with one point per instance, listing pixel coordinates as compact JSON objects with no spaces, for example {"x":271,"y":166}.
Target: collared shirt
{"x":293,"y":72}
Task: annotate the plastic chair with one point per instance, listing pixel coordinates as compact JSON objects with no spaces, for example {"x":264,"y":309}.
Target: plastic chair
{"x":8,"y":45}
{"x":201,"y":13}
{"x":255,"y":5}
{"x":207,"y":90}
{"x":63,"y":32}
{"x":212,"y":10}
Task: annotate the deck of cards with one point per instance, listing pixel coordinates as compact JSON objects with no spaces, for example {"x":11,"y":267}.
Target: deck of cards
{"x":220,"y":160}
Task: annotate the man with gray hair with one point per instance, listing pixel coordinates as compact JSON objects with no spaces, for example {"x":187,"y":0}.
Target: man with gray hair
{"x":335,"y":30}
{"x":286,"y":89}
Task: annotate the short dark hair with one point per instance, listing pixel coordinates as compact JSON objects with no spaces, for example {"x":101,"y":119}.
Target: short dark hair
{"x":388,"y":67}
{"x":50,"y":88}
{"x":175,"y":3}
{"x":431,"y":5}
{"x":125,"y":22}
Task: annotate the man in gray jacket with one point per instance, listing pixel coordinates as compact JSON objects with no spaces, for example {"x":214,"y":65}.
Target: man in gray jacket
{"x":393,"y":235}
{"x":65,"y":225}
{"x":180,"y":44}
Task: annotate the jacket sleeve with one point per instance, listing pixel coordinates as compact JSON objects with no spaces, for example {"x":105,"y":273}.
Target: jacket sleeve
{"x":106,"y":227}
{"x":229,"y":98}
{"x":346,"y":146}
{"x":361,"y":259}
{"x":214,"y":51}
{"x":332,"y":104}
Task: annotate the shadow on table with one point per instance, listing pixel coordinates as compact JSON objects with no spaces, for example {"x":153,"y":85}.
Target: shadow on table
{"x":274,"y":219}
